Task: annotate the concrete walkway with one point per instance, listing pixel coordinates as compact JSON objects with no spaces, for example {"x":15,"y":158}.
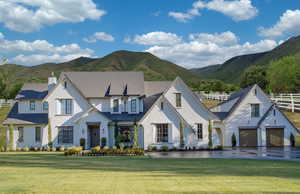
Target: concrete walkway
{"x":287,"y":153}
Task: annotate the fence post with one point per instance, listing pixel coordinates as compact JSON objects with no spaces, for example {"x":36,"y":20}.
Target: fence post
{"x":292,"y":103}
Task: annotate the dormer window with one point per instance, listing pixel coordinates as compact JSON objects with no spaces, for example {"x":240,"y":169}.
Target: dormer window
{"x":161,"y":105}
{"x":45,"y":106}
{"x":255,"y":91}
{"x":178,"y":100}
{"x":116,"y":105}
{"x":133,"y":105}
{"x":65,"y":84}
{"x":255,"y":110}
{"x":32,"y":105}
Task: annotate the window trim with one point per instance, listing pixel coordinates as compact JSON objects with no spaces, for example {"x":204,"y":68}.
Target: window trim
{"x":162,"y":136}
{"x":62,"y":131}
{"x":254,"y":112}
{"x":20,"y":140}
{"x":45,"y":104}
{"x":178,"y":100}
{"x":136,"y":105}
{"x":199,"y":128}
{"x":38,"y":138}
{"x":112,"y":106}
{"x":60,"y":108}
{"x":32,"y":105}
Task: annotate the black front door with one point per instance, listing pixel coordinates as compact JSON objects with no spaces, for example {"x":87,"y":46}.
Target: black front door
{"x":94,"y":135}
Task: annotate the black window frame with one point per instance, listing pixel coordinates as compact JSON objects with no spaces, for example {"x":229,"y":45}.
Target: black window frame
{"x":38,"y":134}
{"x":133,"y":106}
{"x":161,"y":105}
{"x":20,"y":134}
{"x":45,"y":106}
{"x":32,"y":105}
{"x":65,"y":135}
{"x":178,"y":100}
{"x":116,"y":106}
{"x":162,"y":133}
{"x":66,"y":106}
{"x":255,"y":110}
{"x":199,"y":131}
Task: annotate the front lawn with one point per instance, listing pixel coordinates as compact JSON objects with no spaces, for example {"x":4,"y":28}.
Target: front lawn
{"x":55,"y":173}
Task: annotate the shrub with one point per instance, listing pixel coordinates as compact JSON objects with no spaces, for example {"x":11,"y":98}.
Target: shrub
{"x":73,"y":151}
{"x":53,"y":149}
{"x":106,"y":148}
{"x":35,"y":149}
{"x":103,"y":142}
{"x":96,"y":149}
{"x":61,"y":148}
{"x":2,"y":149}
{"x":17,"y":149}
{"x":25,"y":149}
{"x":164,"y":148}
{"x":48,"y":149}
{"x":174,"y":148}
{"x":297,"y":142}
{"x":152,"y":148}
{"x":122,"y":146}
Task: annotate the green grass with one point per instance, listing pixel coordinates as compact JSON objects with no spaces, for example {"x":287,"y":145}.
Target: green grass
{"x":54,"y":173}
{"x":3,"y":112}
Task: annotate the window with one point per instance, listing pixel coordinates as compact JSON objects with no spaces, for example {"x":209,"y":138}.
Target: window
{"x":65,"y":135}
{"x":274,"y":112}
{"x":125,"y":105}
{"x":255,"y":92}
{"x":32,"y":105}
{"x":199,"y":131}
{"x":133,"y":105}
{"x":162,"y":133}
{"x":20,"y":134}
{"x":161,"y":105}
{"x":178,"y":100}
{"x":37,"y":134}
{"x":116,"y":105}
{"x":65,"y":84}
{"x":66,"y":106}
{"x":254,"y":110}
{"x":45,"y":106}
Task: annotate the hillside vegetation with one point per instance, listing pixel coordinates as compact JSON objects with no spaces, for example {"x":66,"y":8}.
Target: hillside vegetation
{"x":232,"y":70}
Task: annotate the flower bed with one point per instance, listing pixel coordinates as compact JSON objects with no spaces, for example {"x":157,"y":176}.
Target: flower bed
{"x":98,"y":151}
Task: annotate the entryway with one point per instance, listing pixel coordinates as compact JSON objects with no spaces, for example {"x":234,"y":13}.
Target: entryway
{"x":94,"y":135}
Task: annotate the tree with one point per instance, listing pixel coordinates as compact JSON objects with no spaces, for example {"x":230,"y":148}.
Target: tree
{"x":284,"y":75}
{"x":254,"y":75}
{"x":136,"y":136}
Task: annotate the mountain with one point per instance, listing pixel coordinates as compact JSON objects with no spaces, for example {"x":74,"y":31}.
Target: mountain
{"x":153,"y":67}
{"x":231,"y":70}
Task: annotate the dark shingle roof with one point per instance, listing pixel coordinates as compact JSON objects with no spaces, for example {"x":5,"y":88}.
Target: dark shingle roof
{"x":33,"y":91}
{"x":100,"y":84}
{"x":29,"y":118}
{"x":239,"y":93}
{"x":156,"y":87}
{"x":221,"y":115}
{"x":123,"y":116}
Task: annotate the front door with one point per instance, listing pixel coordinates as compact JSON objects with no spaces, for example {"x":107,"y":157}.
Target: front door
{"x":94,"y":135}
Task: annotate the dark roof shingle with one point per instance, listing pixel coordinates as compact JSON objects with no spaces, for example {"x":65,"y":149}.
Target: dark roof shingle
{"x":33,"y":91}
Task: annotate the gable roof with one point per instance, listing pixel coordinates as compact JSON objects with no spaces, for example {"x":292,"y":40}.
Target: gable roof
{"x":101,"y":84}
{"x":26,"y":118}
{"x":240,"y":96}
{"x":156,"y":87}
{"x":33,"y":91}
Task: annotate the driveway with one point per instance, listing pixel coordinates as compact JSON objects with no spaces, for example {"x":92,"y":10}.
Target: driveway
{"x":286,"y":153}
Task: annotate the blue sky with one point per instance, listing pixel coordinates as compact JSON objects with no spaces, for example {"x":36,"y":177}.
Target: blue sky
{"x":190,"y":33}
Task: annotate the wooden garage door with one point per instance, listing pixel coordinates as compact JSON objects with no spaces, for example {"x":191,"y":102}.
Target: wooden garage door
{"x":275,"y":137}
{"x":248,"y":137}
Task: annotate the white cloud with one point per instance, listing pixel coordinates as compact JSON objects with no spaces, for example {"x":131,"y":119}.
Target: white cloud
{"x":225,"y":38}
{"x":288,"y":24}
{"x":155,"y":38}
{"x":31,"y":15}
{"x":206,"y":49}
{"x":99,"y":36}
{"x":40,"y":51}
{"x":238,"y":10}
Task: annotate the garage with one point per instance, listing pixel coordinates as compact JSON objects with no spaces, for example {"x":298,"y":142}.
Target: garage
{"x":248,"y":137}
{"x":275,"y":137}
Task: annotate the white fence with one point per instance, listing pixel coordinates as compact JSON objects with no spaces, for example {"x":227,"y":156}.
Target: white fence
{"x":216,"y":96}
{"x":287,"y":101}
{"x":4,"y":103}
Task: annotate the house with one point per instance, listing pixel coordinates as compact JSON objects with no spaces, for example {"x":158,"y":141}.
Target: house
{"x":250,"y":117}
{"x":102,"y":108}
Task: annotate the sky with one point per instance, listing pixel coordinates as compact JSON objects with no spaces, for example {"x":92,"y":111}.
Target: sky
{"x":190,"y":33}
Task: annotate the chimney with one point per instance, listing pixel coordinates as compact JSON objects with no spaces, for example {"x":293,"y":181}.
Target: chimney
{"x":52,"y":81}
